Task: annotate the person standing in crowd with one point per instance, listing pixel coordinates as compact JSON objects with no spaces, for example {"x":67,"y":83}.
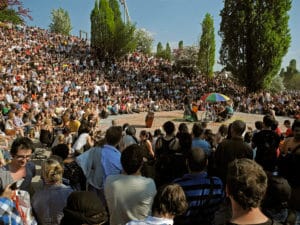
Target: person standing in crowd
{"x":129,"y":195}
{"x":266,"y":142}
{"x":101,"y":161}
{"x":73,"y":174}
{"x":48,"y":203}
{"x":84,"y":207}
{"x":20,"y":167}
{"x":157,"y":134}
{"x":111,"y":156}
{"x":288,"y":132}
{"x":128,"y":138}
{"x":148,"y":154}
{"x":198,"y":140}
{"x":246,"y":187}
{"x":145,"y":142}
{"x":198,"y":185}
{"x":290,"y":165}
{"x":182,"y":128}
{"x":230,"y":149}
{"x":165,"y":150}
{"x":169,"y":202}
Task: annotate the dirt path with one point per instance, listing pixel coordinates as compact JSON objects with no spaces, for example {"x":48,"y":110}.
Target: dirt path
{"x":138,"y":120}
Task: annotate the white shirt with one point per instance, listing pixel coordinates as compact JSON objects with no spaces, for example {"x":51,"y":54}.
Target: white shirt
{"x":150,"y":220}
{"x":80,"y":141}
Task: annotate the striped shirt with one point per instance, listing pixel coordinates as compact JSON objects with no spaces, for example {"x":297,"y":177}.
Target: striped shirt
{"x":204,"y":195}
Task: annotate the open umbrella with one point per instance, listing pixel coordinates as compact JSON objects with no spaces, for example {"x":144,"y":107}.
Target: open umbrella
{"x":215,"y":97}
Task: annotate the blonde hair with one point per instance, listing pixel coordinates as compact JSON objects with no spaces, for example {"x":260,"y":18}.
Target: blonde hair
{"x":61,"y":138}
{"x":52,"y":171}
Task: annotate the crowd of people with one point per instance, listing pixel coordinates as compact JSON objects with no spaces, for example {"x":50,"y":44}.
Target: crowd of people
{"x":53,"y":90}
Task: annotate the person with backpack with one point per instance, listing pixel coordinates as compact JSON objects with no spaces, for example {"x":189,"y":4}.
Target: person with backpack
{"x":165,"y":152}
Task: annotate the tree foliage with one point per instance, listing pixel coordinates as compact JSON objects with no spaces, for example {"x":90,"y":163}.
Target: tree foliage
{"x":144,"y":41}
{"x":255,"y":38}
{"x":111,"y":38}
{"x":163,"y":53}
{"x":290,"y":75}
{"x":61,"y":22}
{"x":10,"y":15}
{"x":294,"y":82}
{"x":168,"y":52}
{"x":276,"y":85}
{"x":291,"y":70}
{"x":13,"y":11}
{"x":185,"y":59}
{"x":160,"y":50}
{"x":206,"y":55}
{"x":180,"y":44}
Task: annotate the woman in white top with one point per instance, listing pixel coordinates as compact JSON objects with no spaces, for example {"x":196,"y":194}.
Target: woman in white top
{"x":84,"y":139}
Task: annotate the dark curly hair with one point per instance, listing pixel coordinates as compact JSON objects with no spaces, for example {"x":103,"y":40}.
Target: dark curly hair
{"x":246,"y":183}
{"x":21,"y":143}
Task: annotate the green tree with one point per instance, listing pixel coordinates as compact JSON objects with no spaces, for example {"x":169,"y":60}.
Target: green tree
{"x":255,"y":38}
{"x":102,"y":29}
{"x":111,"y":38}
{"x":292,"y":67}
{"x":10,"y":15}
{"x":185,"y":60}
{"x":282,"y":72}
{"x":294,"y":82}
{"x":290,"y":74}
{"x":123,"y":36}
{"x":160,"y":50}
{"x":180,"y":45}
{"x":206,"y":55}
{"x":13,"y":11}
{"x":144,"y":41}
{"x":61,"y":22}
{"x":168,"y":52}
{"x":276,"y":85}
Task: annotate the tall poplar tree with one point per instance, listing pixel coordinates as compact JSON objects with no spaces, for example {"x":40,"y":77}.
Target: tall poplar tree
{"x":159,"y":50}
{"x":207,"y":47}
{"x":123,"y":38}
{"x":180,"y":45}
{"x":111,"y":38}
{"x":168,"y":52}
{"x":255,"y":37}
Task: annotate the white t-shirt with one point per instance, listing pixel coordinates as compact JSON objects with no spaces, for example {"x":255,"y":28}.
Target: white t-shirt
{"x":80,"y":141}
